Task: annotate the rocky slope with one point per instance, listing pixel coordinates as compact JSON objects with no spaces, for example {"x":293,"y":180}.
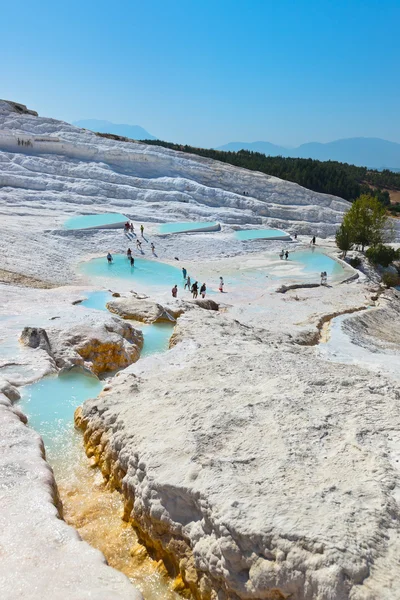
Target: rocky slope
{"x":269,"y":473}
{"x":73,"y":170}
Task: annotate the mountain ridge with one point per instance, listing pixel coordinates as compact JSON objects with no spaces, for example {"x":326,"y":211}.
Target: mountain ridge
{"x":371,"y":152}
{"x":135,"y":132}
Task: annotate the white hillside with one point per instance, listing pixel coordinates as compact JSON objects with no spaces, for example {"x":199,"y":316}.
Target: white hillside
{"x":67,"y":171}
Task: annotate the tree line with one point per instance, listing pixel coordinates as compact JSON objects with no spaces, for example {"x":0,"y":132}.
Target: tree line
{"x":328,"y":177}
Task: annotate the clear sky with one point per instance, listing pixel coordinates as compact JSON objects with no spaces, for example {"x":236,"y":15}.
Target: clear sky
{"x":208,"y":72}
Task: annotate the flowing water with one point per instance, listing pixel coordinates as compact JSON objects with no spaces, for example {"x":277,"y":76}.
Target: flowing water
{"x":88,"y":505}
{"x":262,"y":234}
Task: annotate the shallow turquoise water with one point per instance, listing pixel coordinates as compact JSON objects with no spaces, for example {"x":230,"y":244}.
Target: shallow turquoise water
{"x":97,"y":300}
{"x":189,"y":226}
{"x":315,"y":262}
{"x":145,"y":272}
{"x":263,"y":234}
{"x":86,"y":221}
{"x":50,"y":405}
{"x":156,"y":336}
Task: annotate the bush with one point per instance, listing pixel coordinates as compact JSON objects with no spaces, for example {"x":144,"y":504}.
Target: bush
{"x":391,"y":280}
{"x":355,"y":262}
{"x":382,"y":255}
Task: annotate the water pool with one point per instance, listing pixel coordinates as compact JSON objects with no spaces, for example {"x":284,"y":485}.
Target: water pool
{"x":145,"y":272}
{"x":262,"y":234}
{"x":103,"y":220}
{"x":156,"y":335}
{"x":188,"y":227}
{"x":316,"y":262}
{"x":50,"y":405}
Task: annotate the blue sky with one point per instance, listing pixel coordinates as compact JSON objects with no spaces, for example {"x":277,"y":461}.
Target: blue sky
{"x":208,"y":72}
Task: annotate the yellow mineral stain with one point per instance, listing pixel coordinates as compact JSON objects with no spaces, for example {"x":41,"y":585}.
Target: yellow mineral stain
{"x":96,"y":512}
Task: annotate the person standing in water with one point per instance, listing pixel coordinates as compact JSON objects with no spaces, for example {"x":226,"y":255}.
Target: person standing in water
{"x":142,"y":230}
{"x":109,"y":258}
{"x":195,"y":290}
{"x":187,"y":284}
{"x":282,"y":254}
{"x":221,"y":284}
{"x":174,"y":291}
{"x":132,"y":260}
{"x":129,"y":253}
{"x":286,"y":255}
{"x":203,"y":290}
{"x":184,"y":272}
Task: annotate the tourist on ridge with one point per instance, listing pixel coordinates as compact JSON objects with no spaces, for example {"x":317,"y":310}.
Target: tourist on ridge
{"x":313,"y":240}
{"x":174,"y":291}
{"x":109,"y":258}
{"x":129,"y":253}
{"x":132,"y":261}
{"x":195,"y":289}
{"x":141,"y":230}
{"x":153,"y":248}
{"x":187,"y":283}
{"x":221,"y":285}
{"x":286,"y":255}
{"x":282,"y":254}
{"x":203,"y":290}
{"x":184,"y":272}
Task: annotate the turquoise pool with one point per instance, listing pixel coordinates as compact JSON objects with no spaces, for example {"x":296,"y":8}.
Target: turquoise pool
{"x":146,"y":272}
{"x":98,"y":221}
{"x":262,"y":234}
{"x":50,"y":405}
{"x":156,"y":336}
{"x":188,"y":227}
{"x":316,"y":262}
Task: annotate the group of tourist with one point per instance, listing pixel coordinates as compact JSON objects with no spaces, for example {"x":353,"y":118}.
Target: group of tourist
{"x":25,"y":143}
{"x":194,"y":287}
{"x":284,"y":254}
{"x":130,"y":228}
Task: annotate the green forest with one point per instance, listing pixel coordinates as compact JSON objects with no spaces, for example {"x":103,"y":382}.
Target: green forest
{"x":328,"y":177}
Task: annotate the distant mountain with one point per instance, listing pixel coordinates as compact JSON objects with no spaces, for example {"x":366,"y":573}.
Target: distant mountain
{"x":264,"y":147}
{"x":135,"y":132}
{"x":374,"y":153}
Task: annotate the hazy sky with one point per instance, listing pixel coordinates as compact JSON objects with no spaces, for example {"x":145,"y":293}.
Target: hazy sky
{"x":208,"y":72}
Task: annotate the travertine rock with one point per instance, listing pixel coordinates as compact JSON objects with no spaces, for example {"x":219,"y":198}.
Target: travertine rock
{"x":255,"y":467}
{"x":139,"y":310}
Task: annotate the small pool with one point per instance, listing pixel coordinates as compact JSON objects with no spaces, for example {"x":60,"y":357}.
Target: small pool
{"x":316,"y":262}
{"x":50,"y":405}
{"x":188,"y":227}
{"x":156,"y":335}
{"x":100,"y":221}
{"x":145,"y":272}
{"x":262,"y":234}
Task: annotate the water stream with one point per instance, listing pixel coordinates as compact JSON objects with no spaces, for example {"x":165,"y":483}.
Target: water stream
{"x":88,"y":505}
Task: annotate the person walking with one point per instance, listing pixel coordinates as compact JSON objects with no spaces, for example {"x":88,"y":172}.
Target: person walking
{"x":139,"y":245}
{"x":153,"y":248}
{"x":142,"y":230}
{"x":174,"y":291}
{"x":286,"y":255}
{"x":221,"y":285}
{"x":282,"y":254}
{"x":203,"y":290}
{"x":187,"y":283}
{"x":132,"y":261}
{"x":184,"y":272}
{"x":129,"y":253}
{"x":195,"y":290}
